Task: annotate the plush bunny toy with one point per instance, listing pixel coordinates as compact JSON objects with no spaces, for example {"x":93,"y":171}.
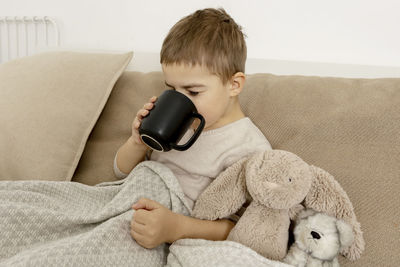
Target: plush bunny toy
{"x":276,"y":182}
{"x":318,"y":239}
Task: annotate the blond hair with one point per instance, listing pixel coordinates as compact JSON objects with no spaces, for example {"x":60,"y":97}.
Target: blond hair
{"x":210,"y":38}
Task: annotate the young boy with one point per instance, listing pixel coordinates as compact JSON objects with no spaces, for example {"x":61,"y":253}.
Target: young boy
{"x":203,"y":57}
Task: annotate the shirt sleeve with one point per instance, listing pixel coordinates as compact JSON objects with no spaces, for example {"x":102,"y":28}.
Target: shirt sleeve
{"x":118,"y":173}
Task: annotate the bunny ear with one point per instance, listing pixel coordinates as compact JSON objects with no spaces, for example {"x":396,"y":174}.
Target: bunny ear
{"x":346,"y":236}
{"x":326,"y":195}
{"x":225,"y":195}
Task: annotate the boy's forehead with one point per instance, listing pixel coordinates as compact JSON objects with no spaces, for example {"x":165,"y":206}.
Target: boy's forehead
{"x":177,"y":68}
{"x":185,"y":73}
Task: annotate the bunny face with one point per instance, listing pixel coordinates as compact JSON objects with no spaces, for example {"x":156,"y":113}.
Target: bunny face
{"x":278,"y":179}
{"x":320,"y":235}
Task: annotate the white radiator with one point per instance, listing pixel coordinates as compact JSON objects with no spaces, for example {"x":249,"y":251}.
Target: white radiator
{"x":23,"y":36}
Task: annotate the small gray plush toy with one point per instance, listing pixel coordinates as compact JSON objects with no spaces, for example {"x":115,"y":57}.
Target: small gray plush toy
{"x":318,"y":240}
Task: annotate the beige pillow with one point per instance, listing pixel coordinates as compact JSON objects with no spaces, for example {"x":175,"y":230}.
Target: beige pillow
{"x":49,"y":104}
{"x":113,"y":128}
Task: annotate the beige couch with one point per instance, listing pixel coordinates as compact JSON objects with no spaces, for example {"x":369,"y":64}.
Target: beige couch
{"x":349,"y":127}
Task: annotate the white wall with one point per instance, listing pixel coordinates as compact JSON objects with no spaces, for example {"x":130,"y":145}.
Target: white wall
{"x":339,"y":31}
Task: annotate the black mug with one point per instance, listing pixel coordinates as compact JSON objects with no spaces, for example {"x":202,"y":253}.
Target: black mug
{"x":172,"y":115}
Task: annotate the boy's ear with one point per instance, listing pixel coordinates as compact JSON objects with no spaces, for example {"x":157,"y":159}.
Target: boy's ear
{"x":237,"y":82}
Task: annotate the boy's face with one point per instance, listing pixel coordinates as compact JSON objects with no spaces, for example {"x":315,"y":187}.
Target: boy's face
{"x":210,"y":96}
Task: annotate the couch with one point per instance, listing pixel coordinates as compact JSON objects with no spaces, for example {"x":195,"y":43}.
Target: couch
{"x":348,"y":126}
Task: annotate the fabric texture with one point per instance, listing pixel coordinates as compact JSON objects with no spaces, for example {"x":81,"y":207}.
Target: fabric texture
{"x":49,"y":104}
{"x":47,"y":223}
{"x":213,"y":152}
{"x":205,"y":253}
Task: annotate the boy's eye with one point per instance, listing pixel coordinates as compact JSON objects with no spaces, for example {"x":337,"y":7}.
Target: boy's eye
{"x":193,"y":93}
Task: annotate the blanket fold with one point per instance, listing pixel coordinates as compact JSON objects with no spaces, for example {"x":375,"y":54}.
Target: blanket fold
{"x":205,"y":253}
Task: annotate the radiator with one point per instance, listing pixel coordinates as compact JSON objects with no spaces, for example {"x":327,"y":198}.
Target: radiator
{"x":24,"y":36}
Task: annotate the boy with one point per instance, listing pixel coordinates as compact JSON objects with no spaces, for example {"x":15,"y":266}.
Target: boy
{"x":203,"y":57}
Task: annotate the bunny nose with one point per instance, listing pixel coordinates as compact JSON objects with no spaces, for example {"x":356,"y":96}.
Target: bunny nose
{"x":315,"y":235}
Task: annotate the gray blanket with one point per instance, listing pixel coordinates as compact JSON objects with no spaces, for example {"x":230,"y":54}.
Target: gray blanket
{"x":205,"y":253}
{"x":45,"y":223}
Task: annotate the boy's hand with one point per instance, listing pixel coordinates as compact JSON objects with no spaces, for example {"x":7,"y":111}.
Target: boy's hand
{"x":153,"y":224}
{"x":135,"y":138}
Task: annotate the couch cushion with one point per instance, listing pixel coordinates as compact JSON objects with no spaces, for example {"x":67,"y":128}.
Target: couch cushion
{"x":49,"y":103}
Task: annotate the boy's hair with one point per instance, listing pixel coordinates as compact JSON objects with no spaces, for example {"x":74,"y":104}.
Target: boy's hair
{"x":210,"y":38}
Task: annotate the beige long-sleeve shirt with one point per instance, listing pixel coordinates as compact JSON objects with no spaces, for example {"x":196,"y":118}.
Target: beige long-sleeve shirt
{"x":213,"y":152}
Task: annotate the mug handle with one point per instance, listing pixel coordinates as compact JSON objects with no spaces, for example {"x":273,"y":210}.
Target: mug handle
{"x":194,"y":136}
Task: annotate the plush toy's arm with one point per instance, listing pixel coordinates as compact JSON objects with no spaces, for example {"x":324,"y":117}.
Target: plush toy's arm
{"x":224,"y":196}
{"x":294,"y":211}
{"x":326,"y":195}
